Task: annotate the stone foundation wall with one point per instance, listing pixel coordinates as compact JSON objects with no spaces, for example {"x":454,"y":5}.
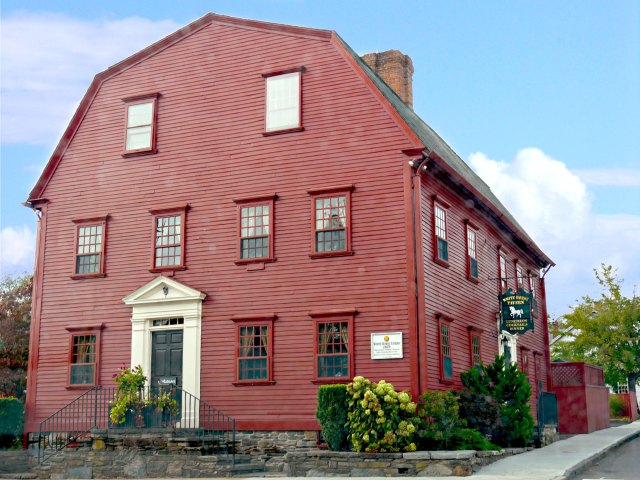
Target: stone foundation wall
{"x":462,"y":463}
{"x":134,"y":456}
{"x":139,"y":455}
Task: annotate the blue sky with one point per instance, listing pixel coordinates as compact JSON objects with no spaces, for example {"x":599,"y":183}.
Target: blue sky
{"x":541,"y":98}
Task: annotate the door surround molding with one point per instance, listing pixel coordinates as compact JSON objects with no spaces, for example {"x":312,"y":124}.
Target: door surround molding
{"x":163,"y":298}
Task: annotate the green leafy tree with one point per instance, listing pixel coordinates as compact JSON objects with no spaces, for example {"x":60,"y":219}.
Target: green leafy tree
{"x":15,"y":318}
{"x":604,"y":331}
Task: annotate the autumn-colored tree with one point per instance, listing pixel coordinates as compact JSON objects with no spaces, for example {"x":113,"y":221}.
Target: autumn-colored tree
{"x":15,"y":317}
{"x":604,"y":331}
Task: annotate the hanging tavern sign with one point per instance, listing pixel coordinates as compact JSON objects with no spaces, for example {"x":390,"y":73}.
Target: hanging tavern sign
{"x":515,"y":307}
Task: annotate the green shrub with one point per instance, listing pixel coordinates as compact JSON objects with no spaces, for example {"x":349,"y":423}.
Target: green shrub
{"x":332,"y":415}
{"x":470,"y":439}
{"x":510,"y":388}
{"x":439,"y":420}
{"x":480,"y":411}
{"x":442,"y":428}
{"x":11,"y":420}
{"x":379,"y":418}
{"x":616,"y":406}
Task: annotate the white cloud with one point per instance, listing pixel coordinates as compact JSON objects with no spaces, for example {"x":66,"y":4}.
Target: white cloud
{"x":530,"y":184}
{"x":616,"y":177}
{"x":17,"y":249}
{"x":48,"y":61}
{"x":553,"y":204}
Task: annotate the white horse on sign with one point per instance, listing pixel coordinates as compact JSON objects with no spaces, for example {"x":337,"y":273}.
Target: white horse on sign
{"x":516,"y":312}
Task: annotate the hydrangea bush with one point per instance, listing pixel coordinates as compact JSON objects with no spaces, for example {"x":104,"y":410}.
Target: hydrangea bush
{"x":380,"y":419}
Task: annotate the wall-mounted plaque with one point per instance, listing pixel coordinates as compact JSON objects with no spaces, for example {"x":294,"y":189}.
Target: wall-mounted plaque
{"x":386,"y":345}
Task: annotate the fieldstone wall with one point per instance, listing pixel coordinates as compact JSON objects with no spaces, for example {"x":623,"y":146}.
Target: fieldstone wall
{"x":134,"y":456}
{"x":139,"y":455}
{"x":460,"y":463}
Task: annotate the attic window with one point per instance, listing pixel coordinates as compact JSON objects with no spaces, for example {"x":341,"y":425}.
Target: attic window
{"x":140,"y":135}
{"x":283,"y":101}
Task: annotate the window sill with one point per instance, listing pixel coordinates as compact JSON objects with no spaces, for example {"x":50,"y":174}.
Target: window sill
{"x":327,"y":381}
{"x":167,"y":269}
{"x":82,"y":276}
{"x":446,"y":381}
{"x":254,"y":384}
{"x":80,"y":387}
{"x":344,"y":253}
{"x":139,"y":153}
{"x":473,"y":280}
{"x":279,"y":132}
{"x":443,"y":263}
{"x":248,"y":261}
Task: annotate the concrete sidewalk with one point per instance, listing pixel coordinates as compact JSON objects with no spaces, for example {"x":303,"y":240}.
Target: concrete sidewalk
{"x":561,"y":459}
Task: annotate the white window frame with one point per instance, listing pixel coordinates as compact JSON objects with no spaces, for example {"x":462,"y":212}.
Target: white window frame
{"x":283,"y":112}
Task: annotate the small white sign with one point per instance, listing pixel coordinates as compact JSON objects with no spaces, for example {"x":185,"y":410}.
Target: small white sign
{"x":386,"y":345}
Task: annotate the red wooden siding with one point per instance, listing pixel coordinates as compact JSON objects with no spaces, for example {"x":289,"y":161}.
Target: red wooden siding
{"x":448,"y":291}
{"x":210,"y":121}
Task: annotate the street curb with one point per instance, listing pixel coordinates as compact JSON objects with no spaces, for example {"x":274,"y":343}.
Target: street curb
{"x":587,"y":462}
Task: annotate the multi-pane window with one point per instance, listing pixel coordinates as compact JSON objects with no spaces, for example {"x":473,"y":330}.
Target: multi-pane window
{"x":532,"y":286}
{"x":89,"y":249}
{"x":255,"y":226}
{"x":524,"y":366}
{"x":168,"y":241}
{"x":82,"y":368}
{"x":520,"y":276}
{"x":283,"y":102}
{"x":141,"y":119}
{"x":476,"y":359}
{"x":331,"y":223}
{"x":446,"y":362}
{"x":503,"y":271}
{"x":253,"y":353}
{"x":537,"y":372}
{"x":442,"y":247}
{"x":472,"y":256}
{"x":332,"y":349}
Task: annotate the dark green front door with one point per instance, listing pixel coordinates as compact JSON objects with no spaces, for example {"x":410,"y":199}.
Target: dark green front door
{"x":166,"y":358}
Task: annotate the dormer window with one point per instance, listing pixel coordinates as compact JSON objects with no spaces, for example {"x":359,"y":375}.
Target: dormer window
{"x":141,"y":125}
{"x":283,"y":101}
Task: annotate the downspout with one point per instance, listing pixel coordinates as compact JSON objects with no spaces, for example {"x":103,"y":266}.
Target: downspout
{"x":415,"y":174}
{"x":39,"y":207}
{"x":545,"y":321}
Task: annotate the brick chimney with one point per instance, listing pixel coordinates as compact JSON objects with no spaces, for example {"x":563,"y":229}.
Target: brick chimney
{"x":396,"y":69}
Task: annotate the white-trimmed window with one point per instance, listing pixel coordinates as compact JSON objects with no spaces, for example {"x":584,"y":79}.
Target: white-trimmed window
{"x":140,"y":135}
{"x":532,"y":286}
{"x":502,"y":260}
{"x":440,"y":225}
{"x":472,"y":253}
{"x":520,"y":276}
{"x":283,"y":101}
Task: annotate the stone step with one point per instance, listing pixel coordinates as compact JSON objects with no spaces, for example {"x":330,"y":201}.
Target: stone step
{"x":245,"y":468}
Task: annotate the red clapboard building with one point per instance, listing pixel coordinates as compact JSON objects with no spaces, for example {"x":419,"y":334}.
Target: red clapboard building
{"x":261,"y":208}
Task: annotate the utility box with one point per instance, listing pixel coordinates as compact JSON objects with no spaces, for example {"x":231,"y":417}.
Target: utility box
{"x":583,"y":398}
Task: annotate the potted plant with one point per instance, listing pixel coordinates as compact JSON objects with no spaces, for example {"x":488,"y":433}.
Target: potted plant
{"x":166,"y":405}
{"x":128,"y":403}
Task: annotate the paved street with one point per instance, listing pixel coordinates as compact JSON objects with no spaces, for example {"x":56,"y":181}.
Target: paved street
{"x":623,"y":463}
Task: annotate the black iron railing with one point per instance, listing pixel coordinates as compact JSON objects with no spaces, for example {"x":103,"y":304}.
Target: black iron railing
{"x":163,"y":410}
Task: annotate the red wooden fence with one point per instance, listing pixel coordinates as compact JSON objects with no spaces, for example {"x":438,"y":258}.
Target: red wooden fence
{"x":583,"y":398}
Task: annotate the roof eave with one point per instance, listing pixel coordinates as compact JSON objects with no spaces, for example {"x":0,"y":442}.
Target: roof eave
{"x":515,"y":229}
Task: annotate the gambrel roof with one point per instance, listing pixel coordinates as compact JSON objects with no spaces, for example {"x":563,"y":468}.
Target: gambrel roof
{"x":421,"y":134}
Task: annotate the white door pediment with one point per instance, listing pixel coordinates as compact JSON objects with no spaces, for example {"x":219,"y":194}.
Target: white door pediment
{"x":163,"y":289}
